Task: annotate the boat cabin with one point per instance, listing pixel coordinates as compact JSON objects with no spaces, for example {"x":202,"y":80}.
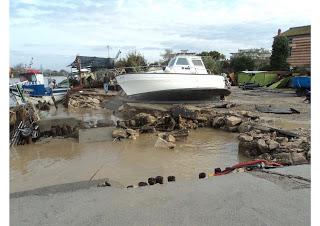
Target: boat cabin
{"x":186,"y":64}
{"x":32,"y":77}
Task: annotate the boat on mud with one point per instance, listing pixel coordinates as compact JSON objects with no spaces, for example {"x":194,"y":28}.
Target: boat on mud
{"x":185,"y":78}
{"x":32,"y":87}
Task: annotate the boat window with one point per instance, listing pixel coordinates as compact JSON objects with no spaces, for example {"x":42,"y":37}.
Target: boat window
{"x":171,"y":63}
{"x":197,"y":62}
{"x":182,"y":61}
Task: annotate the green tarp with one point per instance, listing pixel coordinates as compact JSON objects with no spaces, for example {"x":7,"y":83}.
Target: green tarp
{"x":261,"y":78}
{"x":280,"y":84}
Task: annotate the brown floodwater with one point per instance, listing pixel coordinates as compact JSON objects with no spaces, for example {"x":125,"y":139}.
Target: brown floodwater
{"x":127,"y":162}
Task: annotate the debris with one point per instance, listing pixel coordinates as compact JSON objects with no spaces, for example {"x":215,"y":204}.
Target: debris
{"x":269,"y":109}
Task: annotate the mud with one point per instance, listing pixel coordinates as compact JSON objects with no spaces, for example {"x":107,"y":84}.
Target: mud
{"x":126,"y":162}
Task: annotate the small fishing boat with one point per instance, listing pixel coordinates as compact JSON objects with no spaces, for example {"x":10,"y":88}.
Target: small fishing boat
{"x":33,"y":87}
{"x":185,"y":78}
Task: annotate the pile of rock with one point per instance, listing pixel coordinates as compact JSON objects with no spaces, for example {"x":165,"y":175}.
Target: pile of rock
{"x":275,"y":146}
{"x":80,"y":100}
{"x":255,"y":141}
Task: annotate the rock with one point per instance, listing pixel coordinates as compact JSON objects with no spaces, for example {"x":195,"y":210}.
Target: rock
{"x":263,"y":147}
{"x":245,"y":137}
{"x":298,"y":158}
{"x":178,"y":134}
{"x":283,"y":157}
{"x":119,"y":133}
{"x":309,"y":155}
{"x":105,"y":123}
{"x":249,"y":114}
{"x":167,"y":137}
{"x":142,"y":119}
{"x":282,"y":139}
{"x":233,"y":120}
{"x":187,"y":112}
{"x":132,"y":134}
{"x":244,"y":127}
{"x":218,"y":122}
{"x":232,"y":129}
{"x":265,"y":156}
{"x":132,"y":123}
{"x":273,"y":144}
{"x":161,"y":143}
{"x":147,"y":129}
{"x":248,"y":149}
{"x":121,"y":124}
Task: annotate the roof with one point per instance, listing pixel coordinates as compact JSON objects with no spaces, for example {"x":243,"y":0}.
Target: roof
{"x":294,"y":31}
{"x":94,"y":62}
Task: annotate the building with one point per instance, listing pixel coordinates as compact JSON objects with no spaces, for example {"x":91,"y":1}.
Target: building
{"x":260,"y":54}
{"x":300,"y":46}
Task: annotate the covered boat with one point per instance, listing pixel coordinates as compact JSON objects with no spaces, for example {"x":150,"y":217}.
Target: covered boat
{"x":185,"y":78}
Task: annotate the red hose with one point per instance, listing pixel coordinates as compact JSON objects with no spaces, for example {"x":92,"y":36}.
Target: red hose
{"x":246,"y":164}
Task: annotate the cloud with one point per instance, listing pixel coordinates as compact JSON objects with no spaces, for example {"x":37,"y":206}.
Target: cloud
{"x":87,"y":26}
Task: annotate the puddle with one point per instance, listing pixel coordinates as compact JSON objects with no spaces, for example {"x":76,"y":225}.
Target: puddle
{"x":127,"y":162}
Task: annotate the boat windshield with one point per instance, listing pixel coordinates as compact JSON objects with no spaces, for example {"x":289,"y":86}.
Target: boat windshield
{"x":182,"y":61}
{"x":171,"y":63}
{"x":197,"y":62}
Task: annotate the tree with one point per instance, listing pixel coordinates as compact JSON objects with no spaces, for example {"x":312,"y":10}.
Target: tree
{"x":280,"y":53}
{"x":166,"y":56}
{"x":214,"y":66}
{"x":215,"y":55}
{"x":18,"y":69}
{"x":133,"y":62}
{"x":242,"y":63}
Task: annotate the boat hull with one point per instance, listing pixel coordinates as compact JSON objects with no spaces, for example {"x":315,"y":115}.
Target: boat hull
{"x":181,"y":95}
{"x":167,"y":87}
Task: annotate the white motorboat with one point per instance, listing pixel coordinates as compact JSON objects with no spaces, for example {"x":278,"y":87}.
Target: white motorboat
{"x":185,"y":78}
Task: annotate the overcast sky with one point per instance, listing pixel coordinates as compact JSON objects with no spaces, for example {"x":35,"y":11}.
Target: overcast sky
{"x":53,"y":32}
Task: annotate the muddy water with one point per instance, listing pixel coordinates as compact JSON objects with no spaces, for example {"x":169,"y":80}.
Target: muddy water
{"x":126,"y":162}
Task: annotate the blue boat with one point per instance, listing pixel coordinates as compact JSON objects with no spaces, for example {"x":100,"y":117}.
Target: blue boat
{"x":302,"y":84}
{"x":33,"y":87}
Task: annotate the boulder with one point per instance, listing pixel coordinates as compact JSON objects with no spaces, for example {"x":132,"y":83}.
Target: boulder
{"x":244,"y":127}
{"x":282,"y":139}
{"x":273,"y":144}
{"x":167,"y":137}
{"x":132,"y":134}
{"x":309,"y":155}
{"x":233,"y":120}
{"x":248,"y":149}
{"x":263,"y":147}
{"x":298,"y":158}
{"x":161,"y":143}
{"x":187,"y":112}
{"x":119,"y":133}
{"x":283,"y":157}
{"x":245,"y":138}
{"x":105,"y":123}
{"x":218,"y":122}
{"x":265,"y":156}
{"x":249,"y":114}
{"x":232,"y":129}
{"x":147,"y":129}
{"x":142,"y":119}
